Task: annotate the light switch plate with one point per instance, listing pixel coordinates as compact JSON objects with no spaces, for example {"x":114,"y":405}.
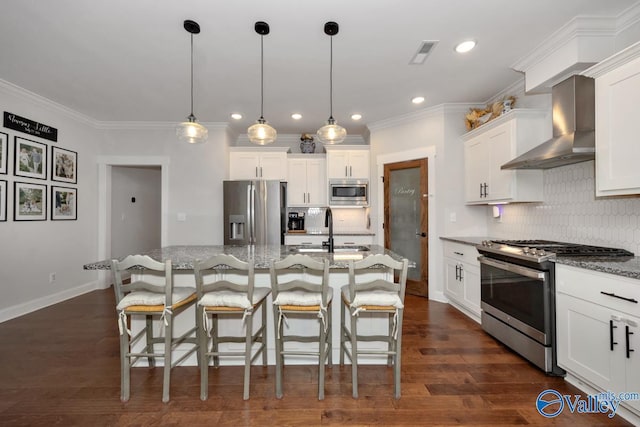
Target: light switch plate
{"x":182,"y":216}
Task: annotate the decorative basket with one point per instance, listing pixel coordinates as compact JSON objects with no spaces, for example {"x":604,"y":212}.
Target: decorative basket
{"x":307,"y":146}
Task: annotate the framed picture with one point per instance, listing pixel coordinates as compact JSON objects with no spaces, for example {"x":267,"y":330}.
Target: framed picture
{"x":30,"y":159}
{"x":64,"y":165}
{"x":64,"y":203}
{"x":4,"y":146}
{"x":3,"y":200}
{"x":29,"y":202}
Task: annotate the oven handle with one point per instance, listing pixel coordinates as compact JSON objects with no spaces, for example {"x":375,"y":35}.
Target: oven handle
{"x":518,"y":269}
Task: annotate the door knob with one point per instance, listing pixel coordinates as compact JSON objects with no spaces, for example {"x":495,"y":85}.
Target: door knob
{"x":421,"y":234}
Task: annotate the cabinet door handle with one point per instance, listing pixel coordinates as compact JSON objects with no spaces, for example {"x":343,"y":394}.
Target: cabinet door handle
{"x":256,"y":172}
{"x":308,"y":197}
{"x":627,"y":334}
{"x":260,"y":171}
{"x":486,"y":193}
{"x":461,"y":275}
{"x":481,"y":190}
{"x":304,"y":197}
{"x":458,"y":253}
{"x":457,"y":277}
{"x":611,"y":294}
{"x":611,"y":341}
{"x":350,"y":170}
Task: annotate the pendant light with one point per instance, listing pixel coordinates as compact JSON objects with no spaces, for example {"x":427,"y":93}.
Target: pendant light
{"x":191,"y":131}
{"x":261,"y":133}
{"x":331,"y":133}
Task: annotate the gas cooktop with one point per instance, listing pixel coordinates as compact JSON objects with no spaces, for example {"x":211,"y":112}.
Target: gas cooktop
{"x":543,"y":250}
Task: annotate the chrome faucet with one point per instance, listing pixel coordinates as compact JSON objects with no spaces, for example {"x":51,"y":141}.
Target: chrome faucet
{"x":328,"y":222}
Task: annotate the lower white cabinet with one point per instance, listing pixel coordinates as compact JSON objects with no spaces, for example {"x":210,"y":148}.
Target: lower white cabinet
{"x":317,"y":239}
{"x":462,"y":277}
{"x":598,"y":329}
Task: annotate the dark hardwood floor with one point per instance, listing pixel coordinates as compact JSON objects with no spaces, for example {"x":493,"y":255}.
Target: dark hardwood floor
{"x":60,"y":366}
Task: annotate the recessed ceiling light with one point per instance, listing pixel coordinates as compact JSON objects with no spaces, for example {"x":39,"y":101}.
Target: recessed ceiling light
{"x":356,"y":116}
{"x":296,"y":116}
{"x":236,"y":116}
{"x":465,"y":46}
{"x":418,"y":100}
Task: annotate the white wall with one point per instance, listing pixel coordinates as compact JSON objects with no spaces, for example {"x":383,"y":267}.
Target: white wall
{"x":31,"y":250}
{"x":195,"y":174}
{"x":135,"y":226}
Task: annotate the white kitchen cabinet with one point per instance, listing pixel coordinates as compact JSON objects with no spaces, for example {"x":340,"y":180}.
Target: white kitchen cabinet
{"x":347,"y":162}
{"x":268,"y":163}
{"x":495,"y":143}
{"x":462,"y":278}
{"x":317,"y":239}
{"x":617,"y":90}
{"x":598,"y":331}
{"x":307,"y":180}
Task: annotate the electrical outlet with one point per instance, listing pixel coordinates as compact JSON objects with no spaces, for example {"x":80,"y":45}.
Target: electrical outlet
{"x":52,"y":277}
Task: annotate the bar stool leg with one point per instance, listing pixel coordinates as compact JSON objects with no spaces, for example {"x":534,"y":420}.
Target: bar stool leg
{"x":125,"y":365}
{"x":279,"y":356}
{"x":203,"y":344}
{"x":342,"y":333}
{"x":354,"y":354}
{"x":149,"y":335}
{"x":166,"y":383}
{"x":263,"y":335}
{"x":321,"y":359}
{"x":247,"y":355}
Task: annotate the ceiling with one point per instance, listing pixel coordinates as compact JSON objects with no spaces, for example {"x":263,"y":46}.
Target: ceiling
{"x":124,"y":60}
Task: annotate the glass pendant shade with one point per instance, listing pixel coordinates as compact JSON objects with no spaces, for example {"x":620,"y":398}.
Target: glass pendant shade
{"x":191,"y":131}
{"x":331,"y":133}
{"x":261,"y":133}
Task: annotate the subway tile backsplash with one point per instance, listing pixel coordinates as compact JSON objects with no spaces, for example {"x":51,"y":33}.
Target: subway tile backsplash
{"x":571,"y":213}
{"x":344,"y":219}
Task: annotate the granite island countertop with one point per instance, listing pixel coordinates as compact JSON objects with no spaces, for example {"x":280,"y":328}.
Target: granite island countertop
{"x":183,"y":257}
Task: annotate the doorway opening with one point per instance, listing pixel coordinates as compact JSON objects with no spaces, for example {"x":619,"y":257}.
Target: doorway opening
{"x":406,"y":213}
{"x":106,"y":165}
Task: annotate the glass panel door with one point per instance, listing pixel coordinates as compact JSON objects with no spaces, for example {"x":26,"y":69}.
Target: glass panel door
{"x":406,"y":218}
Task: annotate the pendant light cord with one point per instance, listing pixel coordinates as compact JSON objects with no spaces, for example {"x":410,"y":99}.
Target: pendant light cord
{"x":331,"y":78}
{"x":191,"y":116}
{"x":261,"y":77}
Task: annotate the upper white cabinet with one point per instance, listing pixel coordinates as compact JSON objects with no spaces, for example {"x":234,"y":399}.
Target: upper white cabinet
{"x":598,"y":329}
{"x":617,"y":84}
{"x":347,"y":162}
{"x":262,"y":163}
{"x":307,"y":181}
{"x":493,"y":144}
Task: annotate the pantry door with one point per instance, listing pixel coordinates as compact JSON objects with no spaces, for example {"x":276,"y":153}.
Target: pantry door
{"x":406,"y":218}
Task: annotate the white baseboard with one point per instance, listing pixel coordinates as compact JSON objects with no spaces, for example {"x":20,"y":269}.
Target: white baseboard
{"x":36,"y":304}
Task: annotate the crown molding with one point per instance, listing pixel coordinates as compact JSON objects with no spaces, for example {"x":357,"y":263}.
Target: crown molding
{"x":294,"y":139}
{"x":578,"y":27}
{"x":614,"y":61}
{"x":142,"y":125}
{"x":435,"y":111}
{"x":517,"y":88}
{"x":628,"y":18}
{"x":20,"y":92}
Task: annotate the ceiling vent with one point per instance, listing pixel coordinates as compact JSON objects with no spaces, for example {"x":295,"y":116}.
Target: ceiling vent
{"x":425,"y":48}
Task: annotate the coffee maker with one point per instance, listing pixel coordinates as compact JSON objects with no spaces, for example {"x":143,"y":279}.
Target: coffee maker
{"x":296,"y":221}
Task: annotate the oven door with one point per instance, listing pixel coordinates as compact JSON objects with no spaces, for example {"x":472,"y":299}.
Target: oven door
{"x":518,"y":296}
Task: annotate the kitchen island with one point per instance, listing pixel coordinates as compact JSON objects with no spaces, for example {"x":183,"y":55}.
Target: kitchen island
{"x":183,"y":258}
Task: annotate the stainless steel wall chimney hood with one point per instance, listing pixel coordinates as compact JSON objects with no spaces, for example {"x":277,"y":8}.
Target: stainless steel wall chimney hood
{"x":573,"y":115}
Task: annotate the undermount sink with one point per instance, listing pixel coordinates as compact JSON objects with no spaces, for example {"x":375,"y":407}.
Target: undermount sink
{"x":322,"y":249}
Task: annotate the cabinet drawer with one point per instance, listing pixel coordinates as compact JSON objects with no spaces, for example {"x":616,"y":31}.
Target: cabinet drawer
{"x":461,"y":252}
{"x":304,"y":239}
{"x":589,"y":285}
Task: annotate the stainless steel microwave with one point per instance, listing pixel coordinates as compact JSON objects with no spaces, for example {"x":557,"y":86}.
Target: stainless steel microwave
{"x":348,"y":192}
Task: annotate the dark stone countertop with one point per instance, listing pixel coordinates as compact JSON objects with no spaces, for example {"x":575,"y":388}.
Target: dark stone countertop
{"x":620,"y":266}
{"x":184,"y":256}
{"x":467,"y":240}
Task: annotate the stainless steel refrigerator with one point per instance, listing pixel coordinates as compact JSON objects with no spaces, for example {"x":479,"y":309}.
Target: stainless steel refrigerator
{"x":255,"y":212}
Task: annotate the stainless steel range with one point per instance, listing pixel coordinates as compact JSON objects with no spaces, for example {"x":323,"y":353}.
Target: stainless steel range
{"x":517,"y":289}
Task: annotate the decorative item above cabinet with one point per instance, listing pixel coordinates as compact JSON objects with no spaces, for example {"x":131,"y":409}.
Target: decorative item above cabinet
{"x":493,"y":144}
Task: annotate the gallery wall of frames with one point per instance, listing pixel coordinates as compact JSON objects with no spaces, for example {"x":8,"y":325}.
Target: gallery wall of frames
{"x":38,"y":180}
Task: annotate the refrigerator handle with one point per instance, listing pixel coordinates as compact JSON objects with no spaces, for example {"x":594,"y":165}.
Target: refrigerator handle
{"x":249,"y":213}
